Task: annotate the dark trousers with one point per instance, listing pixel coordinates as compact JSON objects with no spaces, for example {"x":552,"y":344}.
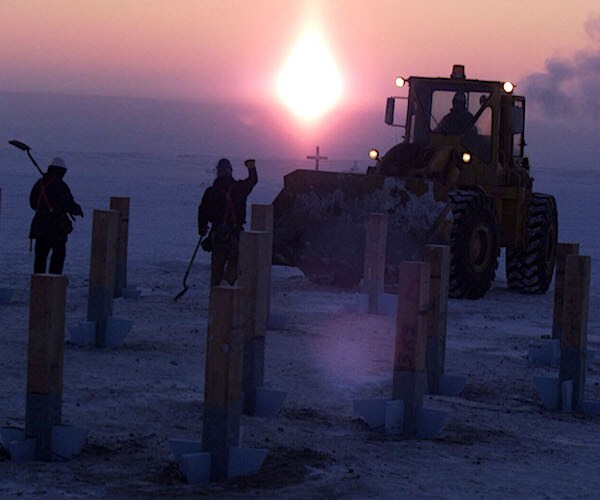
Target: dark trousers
{"x":224,"y":262}
{"x":42,"y":249}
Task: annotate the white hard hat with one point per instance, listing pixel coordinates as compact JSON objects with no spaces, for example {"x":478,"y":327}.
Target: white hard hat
{"x":58,"y":162}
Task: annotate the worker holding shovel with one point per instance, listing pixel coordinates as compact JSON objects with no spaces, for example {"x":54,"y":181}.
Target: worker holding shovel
{"x":223,"y":206}
{"x":55,"y":209}
{"x":53,"y":203}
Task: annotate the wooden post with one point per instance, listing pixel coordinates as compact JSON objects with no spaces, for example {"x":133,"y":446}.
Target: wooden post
{"x":105,"y":226}
{"x":410,"y":378}
{"x":438,"y":257}
{"x":261,"y":219}
{"x":45,"y":359}
{"x":562,"y":251}
{"x":223,"y":377}
{"x":374,"y":265}
{"x":573,"y":345}
{"x":254,"y":265}
{"x":121,"y":205}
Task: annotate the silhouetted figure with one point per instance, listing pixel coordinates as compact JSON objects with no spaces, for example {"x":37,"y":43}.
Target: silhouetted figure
{"x":458,"y":119}
{"x":223,"y":205}
{"x":53,"y":202}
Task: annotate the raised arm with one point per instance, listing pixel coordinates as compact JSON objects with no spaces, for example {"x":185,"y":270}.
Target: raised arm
{"x":249,"y":182}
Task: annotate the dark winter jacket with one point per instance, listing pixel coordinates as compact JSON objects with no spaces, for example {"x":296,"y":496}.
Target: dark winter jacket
{"x":213,"y":207}
{"x":455,"y":122}
{"x":52,"y":200}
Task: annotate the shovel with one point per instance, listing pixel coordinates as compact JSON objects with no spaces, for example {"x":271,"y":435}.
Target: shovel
{"x":24,"y":147}
{"x":187,"y":272}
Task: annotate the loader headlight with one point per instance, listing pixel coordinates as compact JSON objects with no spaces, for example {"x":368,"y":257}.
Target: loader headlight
{"x":466,"y":157}
{"x":400,"y":82}
{"x":508,"y":87}
{"x":373,"y":154}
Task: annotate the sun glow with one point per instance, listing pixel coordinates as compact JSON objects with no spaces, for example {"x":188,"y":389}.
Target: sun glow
{"x":309,"y":82}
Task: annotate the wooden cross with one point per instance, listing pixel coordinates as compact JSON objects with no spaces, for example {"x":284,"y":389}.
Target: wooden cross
{"x":317,"y":157}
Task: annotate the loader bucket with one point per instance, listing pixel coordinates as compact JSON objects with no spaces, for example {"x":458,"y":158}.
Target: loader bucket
{"x":320,"y":222}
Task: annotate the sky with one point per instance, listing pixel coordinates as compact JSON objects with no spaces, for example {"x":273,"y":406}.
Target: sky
{"x":233,"y":52}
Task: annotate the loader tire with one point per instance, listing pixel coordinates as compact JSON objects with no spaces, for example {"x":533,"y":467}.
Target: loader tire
{"x":529,"y":269}
{"x":474,"y":244}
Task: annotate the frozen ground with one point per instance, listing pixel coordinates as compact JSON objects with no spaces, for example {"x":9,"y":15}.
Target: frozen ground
{"x":498,"y":440}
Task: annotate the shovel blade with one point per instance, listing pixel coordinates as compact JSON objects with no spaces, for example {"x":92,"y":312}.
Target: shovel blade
{"x":18,"y":144}
{"x":180,"y":294}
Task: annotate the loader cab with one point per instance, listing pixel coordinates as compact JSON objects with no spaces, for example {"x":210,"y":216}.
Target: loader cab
{"x":444,"y":113}
{"x":475,"y":119}
{"x":512,"y":132}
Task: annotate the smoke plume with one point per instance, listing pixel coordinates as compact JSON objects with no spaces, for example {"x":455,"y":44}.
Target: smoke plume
{"x":568,"y":90}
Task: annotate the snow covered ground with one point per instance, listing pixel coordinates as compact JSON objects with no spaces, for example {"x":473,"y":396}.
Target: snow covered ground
{"x":498,"y":440}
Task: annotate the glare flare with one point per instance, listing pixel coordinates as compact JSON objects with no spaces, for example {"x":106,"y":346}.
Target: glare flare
{"x":309,"y":82}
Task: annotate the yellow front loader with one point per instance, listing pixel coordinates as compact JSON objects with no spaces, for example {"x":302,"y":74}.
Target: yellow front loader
{"x":460,"y":177}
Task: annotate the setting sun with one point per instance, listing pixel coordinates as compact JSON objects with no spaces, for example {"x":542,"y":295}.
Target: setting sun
{"x":309,"y":82}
